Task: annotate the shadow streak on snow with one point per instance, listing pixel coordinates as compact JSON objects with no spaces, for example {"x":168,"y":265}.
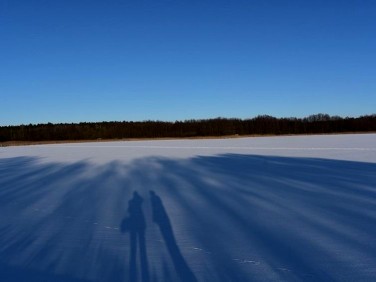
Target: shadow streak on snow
{"x":52,"y":221}
{"x":223,"y":218}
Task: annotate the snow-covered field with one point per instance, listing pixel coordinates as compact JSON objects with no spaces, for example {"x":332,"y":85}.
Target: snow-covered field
{"x":247,"y":209}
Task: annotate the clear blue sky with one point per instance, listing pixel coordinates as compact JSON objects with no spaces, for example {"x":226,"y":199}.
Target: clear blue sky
{"x":94,"y":60}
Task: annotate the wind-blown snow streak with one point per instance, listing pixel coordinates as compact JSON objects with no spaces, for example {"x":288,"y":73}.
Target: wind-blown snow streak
{"x":252,"y":209}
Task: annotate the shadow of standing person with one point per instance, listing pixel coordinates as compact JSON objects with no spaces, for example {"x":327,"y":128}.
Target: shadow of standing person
{"x":160,"y":217}
{"x":135,"y":225}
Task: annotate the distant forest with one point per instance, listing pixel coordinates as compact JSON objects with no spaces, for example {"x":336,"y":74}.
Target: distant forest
{"x":260,"y":125}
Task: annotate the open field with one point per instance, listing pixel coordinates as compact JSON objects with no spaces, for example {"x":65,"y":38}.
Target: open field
{"x":292,"y":208}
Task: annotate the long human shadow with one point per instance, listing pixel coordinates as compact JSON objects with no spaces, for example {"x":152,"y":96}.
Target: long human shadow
{"x":161,"y":218}
{"x":135,"y":225}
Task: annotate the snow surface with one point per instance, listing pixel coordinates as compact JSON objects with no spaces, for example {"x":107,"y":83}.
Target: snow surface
{"x":297,"y":208}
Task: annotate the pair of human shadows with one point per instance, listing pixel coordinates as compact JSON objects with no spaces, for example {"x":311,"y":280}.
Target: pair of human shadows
{"x":135,"y":224}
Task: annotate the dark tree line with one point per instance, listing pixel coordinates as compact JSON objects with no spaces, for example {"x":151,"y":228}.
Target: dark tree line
{"x":260,"y":125}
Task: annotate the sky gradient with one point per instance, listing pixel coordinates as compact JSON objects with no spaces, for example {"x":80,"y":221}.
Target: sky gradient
{"x":95,"y":60}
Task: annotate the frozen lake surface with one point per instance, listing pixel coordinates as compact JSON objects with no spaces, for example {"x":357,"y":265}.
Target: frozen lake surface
{"x":299,"y":208}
